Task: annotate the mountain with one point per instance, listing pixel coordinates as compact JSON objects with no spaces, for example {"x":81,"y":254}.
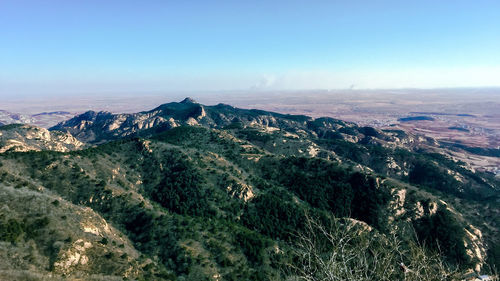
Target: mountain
{"x":43,"y":119}
{"x":7,"y":117}
{"x":193,"y":192}
{"x":19,"y":137}
{"x":98,"y":127}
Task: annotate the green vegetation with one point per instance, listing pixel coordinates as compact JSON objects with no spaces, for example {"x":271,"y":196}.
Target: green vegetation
{"x":253,"y":135}
{"x":494,"y":256}
{"x":442,"y":231}
{"x":273,"y":215}
{"x":12,"y":230}
{"x":10,"y":127}
{"x":179,"y":188}
{"x":328,"y":186}
{"x":430,"y":175}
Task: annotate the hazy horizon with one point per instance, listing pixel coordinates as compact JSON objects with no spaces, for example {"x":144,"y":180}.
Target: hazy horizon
{"x":130,"y":102}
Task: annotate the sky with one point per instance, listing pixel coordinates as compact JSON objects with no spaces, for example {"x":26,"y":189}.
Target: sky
{"x":95,"y":46}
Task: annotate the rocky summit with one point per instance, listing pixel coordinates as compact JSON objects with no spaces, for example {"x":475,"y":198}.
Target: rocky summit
{"x":187,"y":191}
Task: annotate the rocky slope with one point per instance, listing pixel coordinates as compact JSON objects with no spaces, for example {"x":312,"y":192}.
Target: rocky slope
{"x":57,"y":236}
{"x":18,"y":137}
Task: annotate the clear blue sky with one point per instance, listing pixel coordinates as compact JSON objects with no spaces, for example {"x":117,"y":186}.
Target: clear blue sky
{"x":80,"y":46}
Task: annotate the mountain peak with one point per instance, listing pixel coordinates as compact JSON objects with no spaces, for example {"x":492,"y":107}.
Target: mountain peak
{"x":188,"y":100}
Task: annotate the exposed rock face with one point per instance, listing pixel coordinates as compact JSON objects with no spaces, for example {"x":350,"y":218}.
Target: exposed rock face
{"x":97,"y":127}
{"x":17,"y":137}
{"x":241,"y":190}
{"x":475,"y":247}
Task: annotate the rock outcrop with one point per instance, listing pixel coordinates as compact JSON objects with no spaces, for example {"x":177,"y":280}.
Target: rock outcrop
{"x":21,"y":138}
